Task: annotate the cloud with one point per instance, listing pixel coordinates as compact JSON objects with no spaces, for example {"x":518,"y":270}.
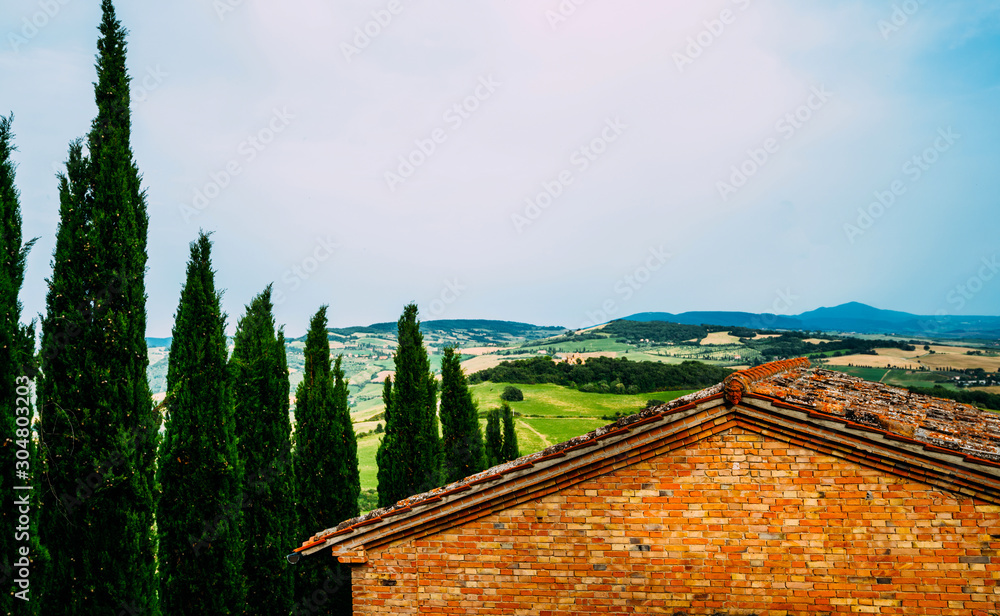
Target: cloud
{"x":700,"y":88}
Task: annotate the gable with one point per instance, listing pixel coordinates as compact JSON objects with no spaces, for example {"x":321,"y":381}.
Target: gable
{"x":737,"y":520}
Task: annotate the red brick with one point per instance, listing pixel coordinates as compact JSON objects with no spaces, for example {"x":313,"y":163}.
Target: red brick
{"x":764,"y":541}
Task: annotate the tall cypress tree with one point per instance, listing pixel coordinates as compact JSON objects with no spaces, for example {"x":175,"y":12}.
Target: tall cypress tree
{"x":98,"y":426}
{"x":16,"y":376}
{"x":387,"y":394}
{"x":494,"y":437}
{"x":346,"y":442}
{"x":384,"y":458}
{"x":326,"y":461}
{"x":200,"y":509}
{"x":410,"y":454}
{"x":509,"y":450}
{"x":263,"y":431}
{"x":462,"y":441}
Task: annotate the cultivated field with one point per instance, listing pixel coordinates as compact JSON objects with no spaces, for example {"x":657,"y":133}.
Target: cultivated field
{"x":901,"y":353}
{"x":479,"y":350}
{"x":483,"y":362}
{"x":961,"y":362}
{"x":719,"y":338}
{"x":874,"y":361}
{"x":938,"y":357}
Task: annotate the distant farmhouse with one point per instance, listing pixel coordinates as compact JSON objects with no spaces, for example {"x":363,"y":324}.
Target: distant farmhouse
{"x":785,"y":490}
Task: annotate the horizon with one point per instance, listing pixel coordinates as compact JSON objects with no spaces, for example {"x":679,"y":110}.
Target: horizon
{"x":523,"y":164}
{"x":624,"y":317}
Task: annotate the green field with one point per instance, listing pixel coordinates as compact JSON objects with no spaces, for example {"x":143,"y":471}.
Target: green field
{"x":553,"y":400}
{"x":554,"y":430}
{"x":868,"y":374}
{"x":585,"y":346}
{"x":367,"y":447}
{"x":897,"y":378}
{"x":548,"y":415}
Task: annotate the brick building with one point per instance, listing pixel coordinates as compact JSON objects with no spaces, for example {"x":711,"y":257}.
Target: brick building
{"x":784,"y":490}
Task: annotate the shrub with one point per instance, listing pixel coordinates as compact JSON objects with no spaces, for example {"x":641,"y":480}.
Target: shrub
{"x":512,"y":394}
{"x":367,"y":501}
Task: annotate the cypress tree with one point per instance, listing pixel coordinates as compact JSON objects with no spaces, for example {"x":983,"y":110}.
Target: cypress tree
{"x":494,"y":438}
{"x":98,"y":424}
{"x":263,"y":431}
{"x":326,"y":464}
{"x":384,"y":460}
{"x":387,"y":394}
{"x":509,"y":450}
{"x":410,"y":454}
{"x":462,"y":440}
{"x":17,"y":374}
{"x":346,"y":442}
{"x":199,"y":515}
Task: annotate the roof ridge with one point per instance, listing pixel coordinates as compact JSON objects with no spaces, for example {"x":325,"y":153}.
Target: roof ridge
{"x":739,"y":383}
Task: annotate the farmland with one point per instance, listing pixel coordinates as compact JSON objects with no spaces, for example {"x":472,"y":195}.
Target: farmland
{"x":553,"y":413}
{"x":549,"y":414}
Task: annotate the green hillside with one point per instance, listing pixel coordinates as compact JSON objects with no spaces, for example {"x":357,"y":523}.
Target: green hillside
{"x":548,"y":415}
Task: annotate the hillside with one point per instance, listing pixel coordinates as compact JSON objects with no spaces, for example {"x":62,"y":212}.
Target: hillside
{"x":727,"y":339}
{"x":573,"y":393}
{"x":852,"y":317}
{"x":368,"y":349}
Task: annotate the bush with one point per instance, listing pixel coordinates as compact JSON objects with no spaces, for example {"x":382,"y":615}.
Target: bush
{"x":379,"y":429}
{"x":512,"y":394}
{"x":367,"y":501}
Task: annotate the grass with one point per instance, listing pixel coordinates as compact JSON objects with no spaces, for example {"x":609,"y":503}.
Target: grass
{"x":554,"y":400}
{"x":596,"y":344}
{"x":557,"y":430}
{"x":823,"y":354}
{"x":367,"y":447}
{"x":642,"y":356}
{"x":897,"y":378}
{"x":905,"y":378}
{"x":869,"y":374}
{"x":548,"y":415}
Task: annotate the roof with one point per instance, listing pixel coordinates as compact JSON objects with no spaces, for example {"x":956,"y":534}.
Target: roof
{"x":941,"y":442}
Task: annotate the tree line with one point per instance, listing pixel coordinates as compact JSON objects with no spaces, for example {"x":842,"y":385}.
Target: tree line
{"x":793,"y":344}
{"x":605,"y":374}
{"x":655,"y":331}
{"x":187,"y":507}
{"x":982,"y":399}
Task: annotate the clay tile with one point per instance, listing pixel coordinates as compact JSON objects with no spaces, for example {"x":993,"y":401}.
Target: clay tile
{"x":739,"y":383}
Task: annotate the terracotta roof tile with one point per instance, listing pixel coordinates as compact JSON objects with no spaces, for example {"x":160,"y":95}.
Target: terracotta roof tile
{"x":739,"y":383}
{"x":934,"y":421}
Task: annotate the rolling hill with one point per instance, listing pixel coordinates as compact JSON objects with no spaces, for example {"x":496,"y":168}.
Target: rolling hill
{"x":852,"y":317}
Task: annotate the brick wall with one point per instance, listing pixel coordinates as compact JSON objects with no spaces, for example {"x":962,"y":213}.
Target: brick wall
{"x":737,"y":524}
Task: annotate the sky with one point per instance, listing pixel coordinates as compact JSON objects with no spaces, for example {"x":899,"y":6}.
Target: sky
{"x":557,"y":162}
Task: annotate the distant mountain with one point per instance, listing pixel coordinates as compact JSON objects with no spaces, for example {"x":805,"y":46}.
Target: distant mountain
{"x":852,"y":317}
{"x":857,"y":317}
{"x":859,"y":311}
{"x":728,"y":319}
